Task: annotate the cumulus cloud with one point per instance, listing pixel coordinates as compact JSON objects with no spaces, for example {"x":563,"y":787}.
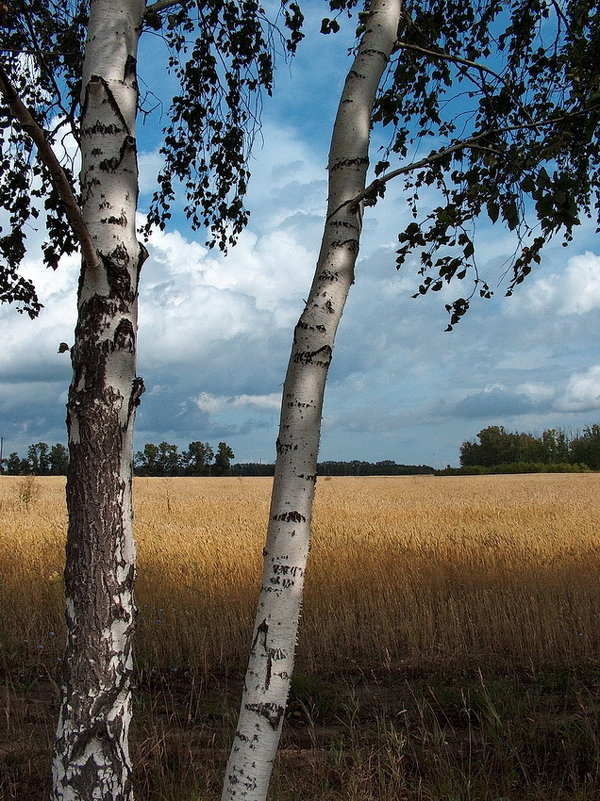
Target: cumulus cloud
{"x":215,"y":331}
{"x":497,"y":401}
{"x":572,"y":291}
{"x":582,"y":391}
{"x":575,"y":393}
{"x":215,"y":404}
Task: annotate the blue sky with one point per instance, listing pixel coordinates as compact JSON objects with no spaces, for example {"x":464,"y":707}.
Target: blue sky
{"x":215,"y":332}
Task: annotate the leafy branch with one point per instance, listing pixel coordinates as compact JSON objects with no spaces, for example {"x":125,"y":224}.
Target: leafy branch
{"x":60,"y":179}
{"x":376,"y":188}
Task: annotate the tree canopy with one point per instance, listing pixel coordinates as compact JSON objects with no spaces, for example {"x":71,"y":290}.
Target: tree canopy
{"x":200,"y":459}
{"x":221,"y":56}
{"x":508,"y":95}
{"x":496,"y":446}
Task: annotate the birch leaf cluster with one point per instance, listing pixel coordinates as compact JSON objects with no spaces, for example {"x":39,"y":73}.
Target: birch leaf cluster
{"x":221,"y":56}
{"x":501,"y":102}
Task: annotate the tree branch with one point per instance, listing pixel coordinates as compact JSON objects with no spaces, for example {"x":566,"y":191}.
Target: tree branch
{"x":161,"y":5}
{"x":59,"y":177}
{"x":472,"y":142}
{"x":460,"y":60}
{"x":447,"y":57}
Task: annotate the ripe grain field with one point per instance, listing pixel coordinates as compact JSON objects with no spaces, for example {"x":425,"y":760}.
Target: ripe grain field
{"x":441,"y":614}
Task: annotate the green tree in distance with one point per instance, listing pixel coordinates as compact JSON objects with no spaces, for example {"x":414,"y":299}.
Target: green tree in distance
{"x":223,"y":459}
{"x":197,"y":459}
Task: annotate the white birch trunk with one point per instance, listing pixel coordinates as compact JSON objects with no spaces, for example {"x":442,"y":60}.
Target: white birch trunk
{"x":91,"y":756}
{"x":270,"y":666}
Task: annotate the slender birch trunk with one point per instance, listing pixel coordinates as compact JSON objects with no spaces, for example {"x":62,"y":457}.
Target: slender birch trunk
{"x":91,"y":756}
{"x":270,"y":666}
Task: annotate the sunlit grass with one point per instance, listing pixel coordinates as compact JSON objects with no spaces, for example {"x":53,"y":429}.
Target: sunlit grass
{"x":415,"y":573}
{"x":448,"y":649}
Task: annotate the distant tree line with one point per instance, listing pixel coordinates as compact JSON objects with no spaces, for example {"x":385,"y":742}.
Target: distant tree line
{"x":200,"y":459}
{"x":332,"y":468}
{"x":41,"y":460}
{"x":494,"y":450}
{"x":385,"y":467}
{"x":554,"y":450}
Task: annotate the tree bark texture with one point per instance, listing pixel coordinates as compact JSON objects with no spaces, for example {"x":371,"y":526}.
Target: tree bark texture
{"x":91,"y":756}
{"x":271,"y":660}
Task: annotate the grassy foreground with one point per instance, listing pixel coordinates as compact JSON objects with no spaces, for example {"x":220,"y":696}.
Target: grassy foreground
{"x":449,"y":649}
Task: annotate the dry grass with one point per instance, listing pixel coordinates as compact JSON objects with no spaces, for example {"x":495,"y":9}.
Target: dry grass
{"x":406,"y":573}
{"x":448,"y":652}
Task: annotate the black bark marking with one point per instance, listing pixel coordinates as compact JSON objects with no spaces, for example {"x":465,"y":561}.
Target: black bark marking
{"x":372,"y":52}
{"x":351,"y":244}
{"x":130,"y":67}
{"x":118,"y":276}
{"x":111,"y":99}
{"x":328,"y":275}
{"x":272,"y":712}
{"x":272,"y":654}
{"x":124,"y":336}
{"x":143,"y":255}
{"x":284,"y":447}
{"x":284,"y":577}
{"x":361,"y":161}
{"x":292,"y":570}
{"x":111,"y":165}
{"x":306,"y":327}
{"x":99,"y":128}
{"x":309,"y":356}
{"x":261,"y":634}
{"x":137,"y":390}
{"x":122,"y":220}
{"x":290,"y":517}
{"x":262,"y":629}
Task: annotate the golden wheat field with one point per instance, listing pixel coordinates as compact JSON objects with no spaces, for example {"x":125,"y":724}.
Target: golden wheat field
{"x":405,"y":572}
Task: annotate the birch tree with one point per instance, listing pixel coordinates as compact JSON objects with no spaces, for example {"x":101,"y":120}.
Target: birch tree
{"x":520,"y":84}
{"x":270,"y":667}
{"x":52,"y":86}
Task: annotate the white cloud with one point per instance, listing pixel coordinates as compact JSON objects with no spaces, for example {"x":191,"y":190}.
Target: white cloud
{"x":210,"y":403}
{"x":215,"y":331}
{"x":573,"y":291}
{"x":582,"y":285}
{"x":270,"y":401}
{"x":213,"y":404}
{"x":537,"y":392}
{"x":582,"y":391}
{"x":150,"y":164}
{"x":192,"y":298}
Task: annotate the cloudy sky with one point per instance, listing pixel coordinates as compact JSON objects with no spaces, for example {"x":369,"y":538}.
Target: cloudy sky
{"x":215,"y":332}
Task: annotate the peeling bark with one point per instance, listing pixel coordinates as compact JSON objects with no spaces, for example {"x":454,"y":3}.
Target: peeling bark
{"x":91,"y":755}
{"x":271,"y":660}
